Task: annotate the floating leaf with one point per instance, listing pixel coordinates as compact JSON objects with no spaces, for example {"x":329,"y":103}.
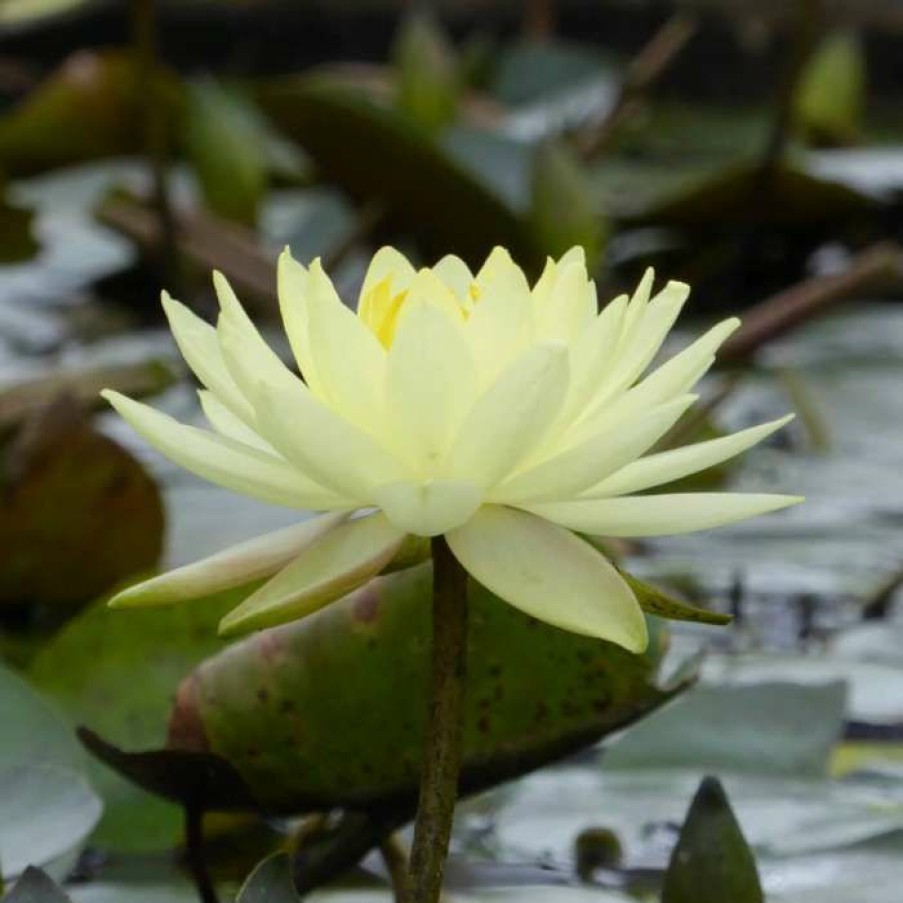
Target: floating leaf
{"x":48,"y":813}
{"x":787,"y":198}
{"x":534,"y":694}
{"x":766,"y":728}
{"x":830,"y":98}
{"x":562,"y":211}
{"x":227,"y":149}
{"x":78,"y":514}
{"x":712,"y":862}
{"x":117,"y":671}
{"x":419,"y":189}
{"x":427,"y":72}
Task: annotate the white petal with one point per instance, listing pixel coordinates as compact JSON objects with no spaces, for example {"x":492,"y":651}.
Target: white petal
{"x":292,"y":283}
{"x":253,"y":560}
{"x":660,"y":515}
{"x":592,"y":356}
{"x":247,"y":356}
{"x":323,"y":444}
{"x":226,"y":462}
{"x":198,"y":344}
{"x":430,"y":386}
{"x":570,"y":307}
{"x":388,"y":262}
{"x":349,"y":360}
{"x":334,"y":565}
{"x":429,"y":508}
{"x":570,"y":472}
{"x":511,"y":417}
{"x":228,"y":425}
{"x":636,"y":355}
{"x":456,"y":275}
{"x":674,"y":464}
{"x":501,"y":320}
{"x":550,"y":574}
{"x":673,"y":379}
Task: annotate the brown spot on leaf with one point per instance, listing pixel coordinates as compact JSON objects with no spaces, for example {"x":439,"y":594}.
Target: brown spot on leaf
{"x":365,"y":605}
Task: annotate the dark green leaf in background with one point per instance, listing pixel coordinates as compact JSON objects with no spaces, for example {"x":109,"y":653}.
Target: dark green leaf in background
{"x":712,"y":862}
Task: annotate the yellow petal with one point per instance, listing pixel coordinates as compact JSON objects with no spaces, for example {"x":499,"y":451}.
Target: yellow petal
{"x":335,"y":564}
{"x":247,"y":356}
{"x":510,"y":419}
{"x":254,"y":560}
{"x":501,"y":320}
{"x":660,"y":515}
{"x":430,"y":386}
{"x":573,"y":470}
{"x":292,"y":285}
{"x":456,"y":275}
{"x":428,"y":508}
{"x":323,"y":444}
{"x":198,"y":344}
{"x":228,"y":425}
{"x":674,"y":464}
{"x":349,"y":361}
{"x":550,"y":574}
{"x":226,"y":462}
{"x":388,"y":263}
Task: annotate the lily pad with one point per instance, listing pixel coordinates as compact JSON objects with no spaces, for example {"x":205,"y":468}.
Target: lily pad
{"x":118,"y":672}
{"x":48,"y":813}
{"x":766,"y":728}
{"x":79,"y":513}
{"x":535,"y":693}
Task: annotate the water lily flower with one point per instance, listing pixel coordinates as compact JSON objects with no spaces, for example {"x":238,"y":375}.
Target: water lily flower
{"x":501,"y":416}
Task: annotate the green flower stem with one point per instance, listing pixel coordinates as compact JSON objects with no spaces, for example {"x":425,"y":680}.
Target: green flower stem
{"x":442,"y":750}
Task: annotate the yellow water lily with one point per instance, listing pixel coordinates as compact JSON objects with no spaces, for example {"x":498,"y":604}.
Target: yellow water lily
{"x":501,"y":416}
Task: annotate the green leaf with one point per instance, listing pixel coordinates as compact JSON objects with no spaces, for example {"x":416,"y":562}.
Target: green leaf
{"x":93,"y":100}
{"x":417,"y":187}
{"x":712,"y":862}
{"x":655,"y":601}
{"x":270,"y":882}
{"x":48,"y":813}
{"x":427,"y":72}
{"x":117,"y":672}
{"x":35,"y":886}
{"x":226,"y":147}
{"x":41,"y":735}
{"x":767,"y":728}
{"x":535,"y":693}
{"x":562,"y":212}
{"x":830,"y":98}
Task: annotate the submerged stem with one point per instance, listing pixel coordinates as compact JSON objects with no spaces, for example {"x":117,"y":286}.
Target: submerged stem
{"x":442,"y":752}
